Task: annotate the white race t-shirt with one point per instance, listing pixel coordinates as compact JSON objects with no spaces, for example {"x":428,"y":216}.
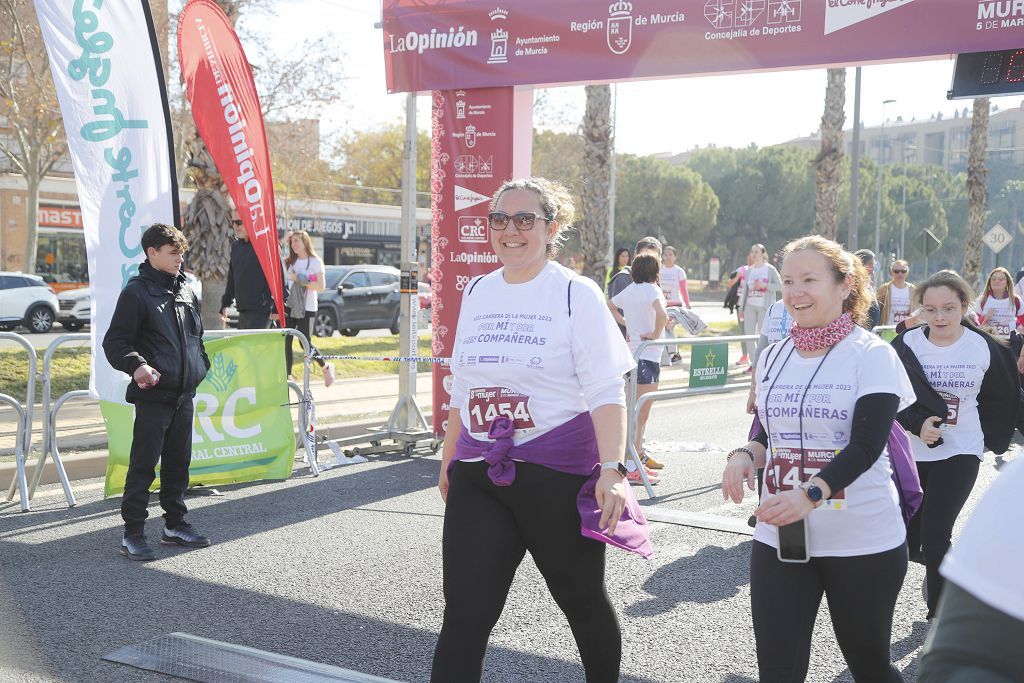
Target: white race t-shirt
{"x":987,"y":560}
{"x":757,"y":286}
{"x":520,"y":353}
{"x":776,"y":322}
{"x":308,"y":266}
{"x":1004,"y":315}
{"x":637,"y":304}
{"x":864,"y":518}
{"x":672,"y":278}
{"x":956,"y":372}
{"x":899,"y":305}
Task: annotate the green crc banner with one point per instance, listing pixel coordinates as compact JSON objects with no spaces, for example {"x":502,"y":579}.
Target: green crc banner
{"x":709,"y":365}
{"x":242,"y":430}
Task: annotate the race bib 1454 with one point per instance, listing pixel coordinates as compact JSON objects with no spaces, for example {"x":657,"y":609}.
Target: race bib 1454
{"x":487,"y":403}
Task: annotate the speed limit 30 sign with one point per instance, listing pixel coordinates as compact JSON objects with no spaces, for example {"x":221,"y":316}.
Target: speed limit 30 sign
{"x":997,"y":238}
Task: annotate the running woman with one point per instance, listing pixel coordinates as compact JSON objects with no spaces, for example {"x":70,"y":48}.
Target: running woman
{"x":967,"y":396}
{"x":524,"y":434}
{"x":896,"y":296}
{"x":759,"y":290}
{"x":826,"y":399}
{"x":999,"y":308}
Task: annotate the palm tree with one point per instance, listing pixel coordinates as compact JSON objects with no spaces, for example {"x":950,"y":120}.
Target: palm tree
{"x":828,"y":162}
{"x":597,"y":151}
{"x":976,"y":192}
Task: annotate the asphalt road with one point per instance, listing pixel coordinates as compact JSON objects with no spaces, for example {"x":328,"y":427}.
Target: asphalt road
{"x":345,"y":569}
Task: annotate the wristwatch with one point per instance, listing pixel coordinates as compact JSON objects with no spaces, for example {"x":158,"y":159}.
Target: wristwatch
{"x":615,"y":465}
{"x":813,"y":493}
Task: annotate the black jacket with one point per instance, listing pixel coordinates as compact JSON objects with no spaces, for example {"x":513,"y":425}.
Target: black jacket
{"x":246,"y":284}
{"x":999,"y":398}
{"x":157,"y":322}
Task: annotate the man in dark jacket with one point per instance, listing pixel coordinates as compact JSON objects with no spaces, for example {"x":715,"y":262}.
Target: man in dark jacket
{"x":156,"y":337}
{"x":247,"y":285}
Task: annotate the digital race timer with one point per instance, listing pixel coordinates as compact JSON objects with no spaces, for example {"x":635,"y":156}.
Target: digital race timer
{"x":980,"y":74}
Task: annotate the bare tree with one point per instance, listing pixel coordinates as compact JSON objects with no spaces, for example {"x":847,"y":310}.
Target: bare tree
{"x":597,"y":151}
{"x":977,"y":194}
{"x":828,"y":162}
{"x":31,"y":131}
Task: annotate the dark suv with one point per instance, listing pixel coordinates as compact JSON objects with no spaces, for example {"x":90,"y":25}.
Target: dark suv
{"x":362,"y":297}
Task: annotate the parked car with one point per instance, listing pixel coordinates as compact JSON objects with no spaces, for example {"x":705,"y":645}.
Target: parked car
{"x":26,"y":300}
{"x":75,"y":310}
{"x":359,"y":297}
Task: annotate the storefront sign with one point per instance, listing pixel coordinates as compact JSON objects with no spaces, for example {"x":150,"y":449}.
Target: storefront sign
{"x":478,"y":43}
{"x":59,"y":217}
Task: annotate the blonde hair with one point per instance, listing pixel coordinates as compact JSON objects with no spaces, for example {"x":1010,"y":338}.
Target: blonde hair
{"x":1009,"y":287}
{"x":306,"y":242}
{"x":555,"y":202}
{"x":843,"y":264}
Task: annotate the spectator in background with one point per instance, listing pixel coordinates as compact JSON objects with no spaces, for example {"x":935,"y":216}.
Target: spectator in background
{"x":673,"y":284}
{"x":759,"y":290}
{"x":867,"y":259}
{"x":247,"y":285}
{"x":306,"y":273}
{"x":895,"y":297}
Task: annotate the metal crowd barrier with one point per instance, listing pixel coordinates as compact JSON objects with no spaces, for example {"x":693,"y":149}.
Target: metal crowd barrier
{"x":23,"y":432}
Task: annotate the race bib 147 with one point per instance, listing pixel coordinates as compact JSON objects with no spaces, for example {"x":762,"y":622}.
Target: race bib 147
{"x":784,"y":473}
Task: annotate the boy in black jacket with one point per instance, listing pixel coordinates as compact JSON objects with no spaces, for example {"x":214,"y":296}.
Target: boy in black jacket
{"x":156,"y":337}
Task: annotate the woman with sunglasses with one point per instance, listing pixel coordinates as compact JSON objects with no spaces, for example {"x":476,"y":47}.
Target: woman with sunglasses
{"x":826,"y":397}
{"x":895,"y":297}
{"x":524,"y":434}
{"x":967,"y":396}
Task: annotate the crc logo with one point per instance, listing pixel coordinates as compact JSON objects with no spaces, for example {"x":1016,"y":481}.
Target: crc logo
{"x":461,"y":281}
{"x":473,"y":229}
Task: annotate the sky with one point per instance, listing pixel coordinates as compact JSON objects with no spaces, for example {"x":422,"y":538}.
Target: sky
{"x":662,"y":116}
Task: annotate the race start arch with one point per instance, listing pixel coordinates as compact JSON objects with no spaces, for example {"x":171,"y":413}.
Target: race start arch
{"x":480,"y":60}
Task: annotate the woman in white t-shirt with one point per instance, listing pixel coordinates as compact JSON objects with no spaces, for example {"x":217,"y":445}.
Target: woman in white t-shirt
{"x":998,"y":307}
{"x":305,"y":270}
{"x":537,"y":405}
{"x":759,"y":290}
{"x":966,"y":400}
{"x":826,"y":399}
{"x":644,"y":317}
{"x":979,"y":628}
{"x":896,"y":297}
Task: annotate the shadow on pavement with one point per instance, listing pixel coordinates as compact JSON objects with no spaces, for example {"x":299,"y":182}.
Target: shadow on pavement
{"x":694,"y":578}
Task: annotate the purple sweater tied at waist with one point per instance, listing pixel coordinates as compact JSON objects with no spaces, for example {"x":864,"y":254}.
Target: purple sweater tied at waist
{"x":570,"y":447}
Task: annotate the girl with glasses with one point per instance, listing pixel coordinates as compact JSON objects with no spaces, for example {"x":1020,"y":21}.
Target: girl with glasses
{"x":967,"y":395}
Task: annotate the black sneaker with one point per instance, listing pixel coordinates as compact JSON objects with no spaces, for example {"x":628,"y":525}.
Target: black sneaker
{"x":184,"y":535}
{"x":134,"y":547}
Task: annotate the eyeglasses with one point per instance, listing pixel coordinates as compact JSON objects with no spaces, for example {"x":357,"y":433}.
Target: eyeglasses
{"x":498,"y":220}
{"x":947,"y":311}
{"x":894,"y":272}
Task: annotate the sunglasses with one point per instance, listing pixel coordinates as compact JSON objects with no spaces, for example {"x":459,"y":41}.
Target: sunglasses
{"x":237,"y":221}
{"x":498,"y":220}
{"x":900,"y":271}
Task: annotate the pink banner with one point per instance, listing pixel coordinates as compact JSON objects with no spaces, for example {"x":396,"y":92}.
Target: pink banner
{"x":227,"y":113}
{"x":450,"y":44}
{"x":472,"y":154}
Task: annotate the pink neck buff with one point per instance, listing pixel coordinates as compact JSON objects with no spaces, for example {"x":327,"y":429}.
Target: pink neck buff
{"x":818,"y":338}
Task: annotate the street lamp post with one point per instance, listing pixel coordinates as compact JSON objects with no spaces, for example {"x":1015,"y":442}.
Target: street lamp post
{"x":878,"y":206}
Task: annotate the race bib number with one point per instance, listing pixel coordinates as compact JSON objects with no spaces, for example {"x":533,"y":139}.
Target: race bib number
{"x":899,"y":316}
{"x":952,"y":408}
{"x":488,"y":403}
{"x":783,"y":474}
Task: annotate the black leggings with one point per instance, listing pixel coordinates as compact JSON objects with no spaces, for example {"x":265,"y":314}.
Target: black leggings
{"x":861,"y":593}
{"x":487,"y":531}
{"x":947,"y":484}
{"x":305,"y":326}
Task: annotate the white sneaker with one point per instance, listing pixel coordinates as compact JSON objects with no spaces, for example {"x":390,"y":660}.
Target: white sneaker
{"x":328,"y":374}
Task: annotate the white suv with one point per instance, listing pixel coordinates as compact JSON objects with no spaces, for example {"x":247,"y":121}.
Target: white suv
{"x":75,"y":308}
{"x":26,"y":300}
